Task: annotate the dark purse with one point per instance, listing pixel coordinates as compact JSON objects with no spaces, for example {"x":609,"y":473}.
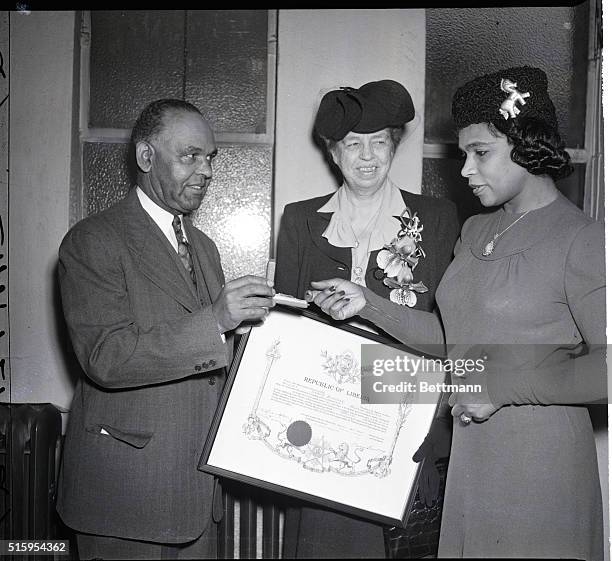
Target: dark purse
{"x":420,"y":537}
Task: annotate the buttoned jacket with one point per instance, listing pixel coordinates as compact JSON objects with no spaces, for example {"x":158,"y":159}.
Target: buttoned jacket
{"x":152,"y":360}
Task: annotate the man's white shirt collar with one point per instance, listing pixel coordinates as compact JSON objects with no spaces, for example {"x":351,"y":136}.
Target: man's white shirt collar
{"x":161,"y":217}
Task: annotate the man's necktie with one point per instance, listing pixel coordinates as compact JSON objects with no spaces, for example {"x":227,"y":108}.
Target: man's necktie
{"x":183,"y":248}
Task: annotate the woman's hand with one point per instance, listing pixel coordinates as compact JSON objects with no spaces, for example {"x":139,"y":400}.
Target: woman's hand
{"x":339,"y":298}
{"x":474,"y":405}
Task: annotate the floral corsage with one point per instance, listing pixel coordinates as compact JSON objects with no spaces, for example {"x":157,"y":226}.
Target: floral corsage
{"x":399,"y":259}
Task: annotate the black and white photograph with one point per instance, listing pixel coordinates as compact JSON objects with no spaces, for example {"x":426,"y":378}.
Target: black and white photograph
{"x":304,"y":282}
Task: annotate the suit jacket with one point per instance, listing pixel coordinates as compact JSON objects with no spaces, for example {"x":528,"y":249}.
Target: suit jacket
{"x":304,"y":255}
{"x":153,"y":360}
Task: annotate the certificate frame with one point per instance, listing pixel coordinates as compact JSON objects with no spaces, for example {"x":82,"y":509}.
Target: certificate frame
{"x":355,"y":486}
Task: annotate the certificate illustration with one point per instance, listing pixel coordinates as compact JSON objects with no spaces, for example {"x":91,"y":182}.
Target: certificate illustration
{"x":317,"y":421}
{"x":292,"y":419}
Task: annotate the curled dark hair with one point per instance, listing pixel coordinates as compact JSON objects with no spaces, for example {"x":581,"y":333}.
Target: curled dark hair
{"x":538,"y":148}
{"x":151,"y":120}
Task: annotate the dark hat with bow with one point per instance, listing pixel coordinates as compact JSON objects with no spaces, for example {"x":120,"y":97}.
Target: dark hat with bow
{"x":372,"y":107}
{"x":504,"y":98}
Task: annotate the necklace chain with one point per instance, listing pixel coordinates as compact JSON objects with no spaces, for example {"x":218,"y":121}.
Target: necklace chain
{"x":368,"y":224}
{"x":490,"y":247}
{"x":361,"y":256}
{"x":363,"y":230}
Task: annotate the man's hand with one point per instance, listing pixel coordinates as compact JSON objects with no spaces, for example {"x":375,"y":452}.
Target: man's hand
{"x":339,"y":298}
{"x":244,"y":299}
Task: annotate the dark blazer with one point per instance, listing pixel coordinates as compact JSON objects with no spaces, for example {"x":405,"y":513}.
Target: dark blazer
{"x":304,"y":255}
{"x":152,"y":358}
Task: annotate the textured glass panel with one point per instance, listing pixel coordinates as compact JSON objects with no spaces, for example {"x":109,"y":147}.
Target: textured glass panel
{"x":442,"y":178}
{"x":235,"y":212}
{"x":237,"y":208}
{"x":106,"y":175}
{"x":227,"y":54}
{"x":136,"y":58}
{"x":463,"y":43}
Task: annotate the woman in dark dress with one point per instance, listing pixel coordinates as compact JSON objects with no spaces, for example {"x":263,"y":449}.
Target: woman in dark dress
{"x":352,"y":233}
{"x":526,"y":292}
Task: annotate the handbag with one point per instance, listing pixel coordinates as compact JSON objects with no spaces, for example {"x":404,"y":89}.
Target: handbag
{"x":420,"y":537}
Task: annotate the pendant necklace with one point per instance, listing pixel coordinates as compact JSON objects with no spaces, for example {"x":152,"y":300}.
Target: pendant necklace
{"x":490,"y":247}
{"x":361,"y":262}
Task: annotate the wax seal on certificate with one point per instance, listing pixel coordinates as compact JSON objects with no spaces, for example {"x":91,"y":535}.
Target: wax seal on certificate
{"x":299,"y":433}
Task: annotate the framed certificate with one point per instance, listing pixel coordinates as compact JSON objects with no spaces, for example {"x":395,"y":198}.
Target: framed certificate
{"x":293,"y":418}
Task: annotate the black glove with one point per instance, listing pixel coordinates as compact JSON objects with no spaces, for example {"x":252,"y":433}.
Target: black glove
{"x":435,"y":446}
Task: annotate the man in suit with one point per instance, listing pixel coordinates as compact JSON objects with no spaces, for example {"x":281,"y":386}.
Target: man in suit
{"x":148,"y":312}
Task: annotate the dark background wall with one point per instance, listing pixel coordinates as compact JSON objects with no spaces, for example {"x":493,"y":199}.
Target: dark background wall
{"x":466,"y":42}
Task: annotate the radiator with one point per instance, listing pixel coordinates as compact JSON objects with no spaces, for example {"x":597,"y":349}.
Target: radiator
{"x":29,"y":446}
{"x":252,"y":526}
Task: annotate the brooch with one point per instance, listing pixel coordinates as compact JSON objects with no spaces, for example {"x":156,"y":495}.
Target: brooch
{"x":508,"y":107}
{"x":399,"y":258}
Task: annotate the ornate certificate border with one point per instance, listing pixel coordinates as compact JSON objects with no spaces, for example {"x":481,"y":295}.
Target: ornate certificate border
{"x":291,"y":420}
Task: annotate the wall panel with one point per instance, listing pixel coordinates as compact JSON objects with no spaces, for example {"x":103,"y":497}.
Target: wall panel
{"x":465,"y":42}
{"x":219,"y":61}
{"x":136,"y":58}
{"x":227,"y":71}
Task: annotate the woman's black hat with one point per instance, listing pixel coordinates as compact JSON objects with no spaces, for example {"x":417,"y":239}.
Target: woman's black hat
{"x":503,"y":98}
{"x":372,"y":107}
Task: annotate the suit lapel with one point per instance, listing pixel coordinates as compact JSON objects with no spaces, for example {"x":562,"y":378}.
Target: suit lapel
{"x":317,"y":222}
{"x":154,"y":255}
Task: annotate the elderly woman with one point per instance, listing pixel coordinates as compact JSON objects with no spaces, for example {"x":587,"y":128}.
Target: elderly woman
{"x":340,"y":234}
{"x":526,"y":293}
{"x":344,"y":234}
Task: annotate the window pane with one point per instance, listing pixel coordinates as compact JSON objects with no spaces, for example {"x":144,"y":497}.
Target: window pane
{"x":227,"y":65}
{"x":237,"y":208}
{"x":235,"y":212}
{"x":463,"y":43}
{"x":136,"y":57}
{"x":106,"y":177}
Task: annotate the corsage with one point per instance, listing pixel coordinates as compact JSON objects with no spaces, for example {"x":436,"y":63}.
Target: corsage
{"x":399,"y":258}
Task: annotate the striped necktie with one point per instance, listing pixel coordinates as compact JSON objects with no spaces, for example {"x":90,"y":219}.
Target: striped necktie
{"x":184,"y":251}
